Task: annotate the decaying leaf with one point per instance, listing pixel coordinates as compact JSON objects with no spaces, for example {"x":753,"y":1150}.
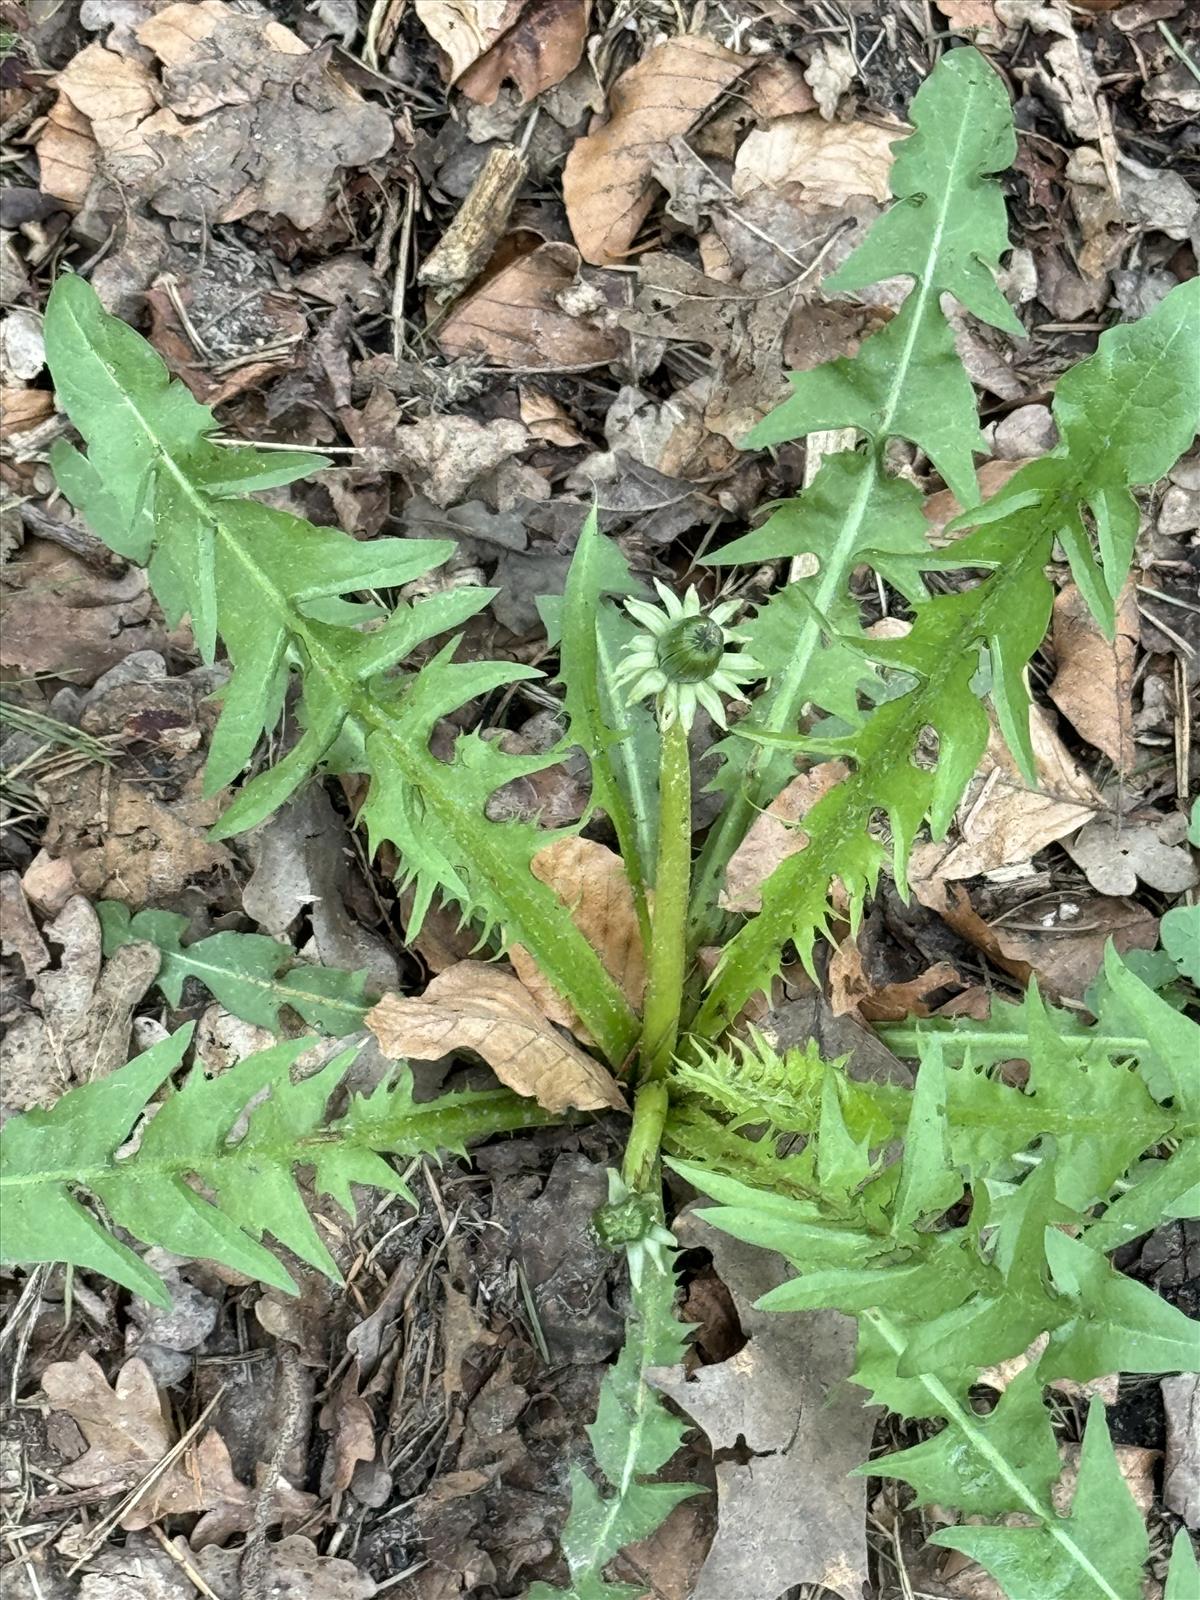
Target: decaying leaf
{"x":58,"y":615}
{"x":81,"y":1027}
{"x":773,"y":836}
{"x":123,"y":843}
{"x":22,"y":408}
{"x":128,"y":1434}
{"x":1181,"y":1469}
{"x":590,"y":878}
{"x":607,"y":182}
{"x":523,"y":316}
{"x":443,"y":456}
{"x":535,"y":43}
{"x":547,"y":418}
{"x":851,"y":989}
{"x":1115,"y":852}
{"x":783,"y":1399}
{"x":1059,"y":940}
{"x":294,"y":1570}
{"x":1094,"y":682}
{"x":478,"y":1007}
{"x":244,"y":118}
{"x":1002,"y":821}
{"x":826,"y":160}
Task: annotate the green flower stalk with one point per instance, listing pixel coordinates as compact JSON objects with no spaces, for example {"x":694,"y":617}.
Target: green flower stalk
{"x":682,"y":660}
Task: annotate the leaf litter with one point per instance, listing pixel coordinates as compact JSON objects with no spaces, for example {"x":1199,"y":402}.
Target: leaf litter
{"x":633,"y":313}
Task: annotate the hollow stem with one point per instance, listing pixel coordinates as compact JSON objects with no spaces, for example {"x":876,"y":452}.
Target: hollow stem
{"x":666,"y":965}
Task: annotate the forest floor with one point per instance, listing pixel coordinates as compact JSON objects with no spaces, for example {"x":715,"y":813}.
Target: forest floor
{"x":394,"y":234}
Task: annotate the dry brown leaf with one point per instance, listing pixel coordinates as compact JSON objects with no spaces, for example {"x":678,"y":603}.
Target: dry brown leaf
{"x":1002,"y":821}
{"x":776,"y":88}
{"x":967,"y":15}
{"x":1060,"y":939}
{"x":245,"y":118}
{"x":953,"y":904}
{"x":22,"y":408}
{"x":536,"y":50}
{"x":1181,"y":1469}
{"x":517,"y":319}
{"x":590,"y":879}
{"x":115,"y":93}
{"x":607,"y":182}
{"x":478,"y":1007}
{"x":547,"y":419}
{"x":18,"y":931}
{"x":783,"y":1399}
{"x":125,"y":844}
{"x":773,"y":836}
{"x":1093,"y":687}
{"x":466,"y":29}
{"x":827,"y":160}
{"x":61,"y":617}
{"x":66,"y":153}
{"x":128,"y":1434}
{"x":852,"y":990}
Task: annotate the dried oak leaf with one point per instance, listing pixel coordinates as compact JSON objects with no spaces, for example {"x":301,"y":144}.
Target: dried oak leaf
{"x":475,"y":1006}
{"x":1093,"y":686}
{"x":123,"y":843}
{"x":245,"y":118}
{"x":128,"y":1434}
{"x":443,"y":456}
{"x":590,"y":879}
{"x":522,"y":316}
{"x":608,"y":182}
{"x":294,"y":1571}
{"x":791,"y":1430}
{"x":773,"y":836}
{"x":1002,"y":821}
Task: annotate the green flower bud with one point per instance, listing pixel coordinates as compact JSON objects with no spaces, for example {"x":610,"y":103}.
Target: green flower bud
{"x":622,"y":1221}
{"x":691,"y":649}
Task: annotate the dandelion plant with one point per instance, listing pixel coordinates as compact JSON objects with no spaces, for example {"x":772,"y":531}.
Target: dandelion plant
{"x":961,"y":1219}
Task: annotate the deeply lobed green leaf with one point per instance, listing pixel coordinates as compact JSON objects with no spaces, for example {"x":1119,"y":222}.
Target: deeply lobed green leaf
{"x":1125,"y":416}
{"x":157,"y":489}
{"x":633,"y":1437}
{"x":240,"y":1149}
{"x":989,"y":1234}
{"x":250,"y":974}
{"x":947,"y":233}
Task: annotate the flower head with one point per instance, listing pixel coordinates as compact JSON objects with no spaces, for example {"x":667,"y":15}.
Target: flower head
{"x":630,"y":1222}
{"x":682,"y":658}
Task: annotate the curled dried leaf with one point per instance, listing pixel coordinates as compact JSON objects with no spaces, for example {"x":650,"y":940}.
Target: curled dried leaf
{"x":608,"y":179}
{"x":478,"y":1007}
